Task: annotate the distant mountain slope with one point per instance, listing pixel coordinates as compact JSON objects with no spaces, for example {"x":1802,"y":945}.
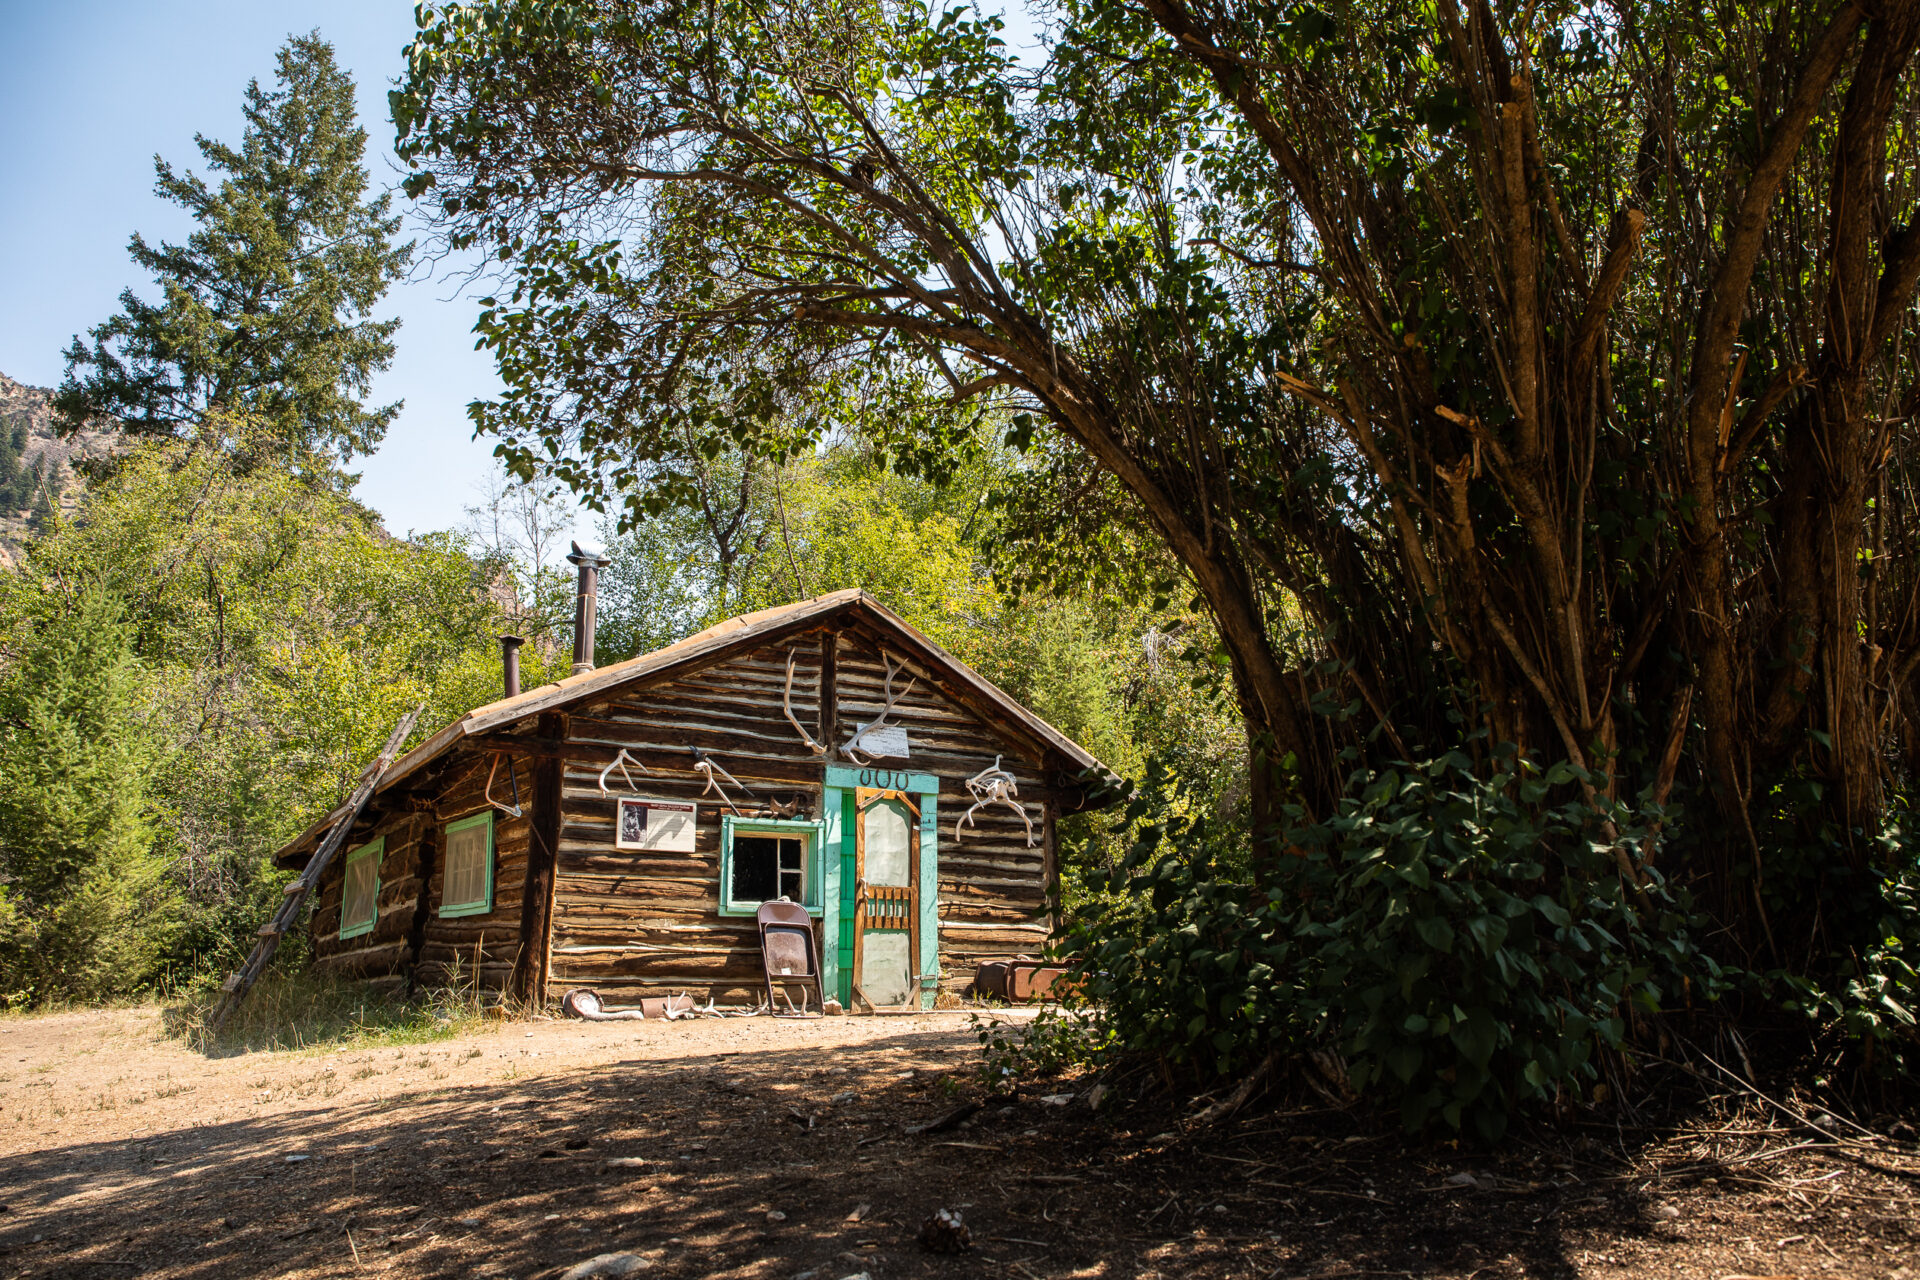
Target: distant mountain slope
{"x":33,"y":407}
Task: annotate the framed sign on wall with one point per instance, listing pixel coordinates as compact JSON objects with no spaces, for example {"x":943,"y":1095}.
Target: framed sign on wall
{"x":663,"y":825}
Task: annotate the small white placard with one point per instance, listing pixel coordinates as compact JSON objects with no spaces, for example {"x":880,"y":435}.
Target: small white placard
{"x":889,"y":741}
{"x":664,"y":825}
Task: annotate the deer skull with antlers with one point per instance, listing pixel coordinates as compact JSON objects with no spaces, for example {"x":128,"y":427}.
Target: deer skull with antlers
{"x":994,"y":785}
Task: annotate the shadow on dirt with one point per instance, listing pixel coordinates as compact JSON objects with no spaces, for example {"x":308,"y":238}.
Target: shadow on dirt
{"x":783,"y":1161}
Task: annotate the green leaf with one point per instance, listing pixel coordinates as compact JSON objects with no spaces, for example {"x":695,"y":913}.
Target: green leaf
{"x":1476,"y":1036}
{"x":1435,"y":932}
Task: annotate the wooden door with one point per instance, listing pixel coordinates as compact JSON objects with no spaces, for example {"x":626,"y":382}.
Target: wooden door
{"x":886,"y":913}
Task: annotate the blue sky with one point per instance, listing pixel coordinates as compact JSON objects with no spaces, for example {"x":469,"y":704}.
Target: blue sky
{"x":93,"y":89}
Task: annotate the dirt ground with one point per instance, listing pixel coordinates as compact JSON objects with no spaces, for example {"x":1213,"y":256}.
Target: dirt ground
{"x":777,"y":1149}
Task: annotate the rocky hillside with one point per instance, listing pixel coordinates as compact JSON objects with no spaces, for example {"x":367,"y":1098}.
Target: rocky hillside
{"x":44,"y":454}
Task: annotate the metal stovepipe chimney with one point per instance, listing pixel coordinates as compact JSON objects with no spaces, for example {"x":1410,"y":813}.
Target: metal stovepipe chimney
{"x":590,"y":563}
{"x":510,"y":664}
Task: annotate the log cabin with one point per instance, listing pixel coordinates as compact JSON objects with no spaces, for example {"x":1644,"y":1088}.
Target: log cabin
{"x":618,"y":829}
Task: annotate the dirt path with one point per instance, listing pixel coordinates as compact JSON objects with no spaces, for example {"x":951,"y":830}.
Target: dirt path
{"x":777,"y":1149}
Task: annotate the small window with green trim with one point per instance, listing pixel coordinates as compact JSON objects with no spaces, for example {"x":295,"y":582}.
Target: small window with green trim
{"x":360,"y":891}
{"x":763,"y":859}
{"x":466,"y":887}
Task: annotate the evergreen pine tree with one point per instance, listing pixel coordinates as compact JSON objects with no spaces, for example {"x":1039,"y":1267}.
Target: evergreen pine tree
{"x":41,"y":518}
{"x":263,"y":313}
{"x":80,"y":879}
{"x":13,"y":446}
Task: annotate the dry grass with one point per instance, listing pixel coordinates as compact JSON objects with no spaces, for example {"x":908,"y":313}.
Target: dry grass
{"x":312,"y":1011}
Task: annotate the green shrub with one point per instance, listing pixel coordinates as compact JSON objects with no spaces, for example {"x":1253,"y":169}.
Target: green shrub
{"x":1052,"y":1041}
{"x":1865,"y":985}
{"x":1466,"y":943}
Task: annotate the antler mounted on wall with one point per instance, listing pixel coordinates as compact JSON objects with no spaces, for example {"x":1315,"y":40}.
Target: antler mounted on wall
{"x":786,"y":703}
{"x":994,"y":785}
{"x":853,"y":750}
{"x":714,"y":771}
{"x":621,"y":762}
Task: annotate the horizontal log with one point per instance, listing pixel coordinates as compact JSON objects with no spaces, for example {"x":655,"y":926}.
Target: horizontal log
{"x":502,"y":921}
{"x":970,"y":886}
{"x":614,"y":888}
{"x":967,"y":932}
{"x":365,"y":960}
{"x":1011,"y":918}
{"x":648,"y":955}
{"x":615,"y":864}
{"x":719,"y":933}
{"x":658,"y":968}
{"x":771,"y":737}
{"x":444,"y":962}
{"x":580,"y":912}
{"x":993,"y":908}
{"x":493,"y":976}
{"x":586,"y":758}
{"x":681,"y":702}
{"x":624,"y":900}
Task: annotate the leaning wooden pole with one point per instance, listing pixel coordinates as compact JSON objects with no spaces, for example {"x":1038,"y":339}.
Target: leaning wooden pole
{"x":234,"y":989}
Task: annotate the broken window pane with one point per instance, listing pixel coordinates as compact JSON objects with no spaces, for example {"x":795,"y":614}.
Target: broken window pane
{"x":793,"y":874}
{"x":768,"y":867}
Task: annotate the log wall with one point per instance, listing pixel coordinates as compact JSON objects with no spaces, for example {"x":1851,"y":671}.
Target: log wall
{"x":384,"y":950}
{"x":458,"y":948}
{"x":637,"y":923}
{"x":632,"y":924}
{"x":408,"y":934}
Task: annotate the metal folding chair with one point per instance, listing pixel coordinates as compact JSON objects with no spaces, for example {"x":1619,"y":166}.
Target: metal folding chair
{"x":787,"y":952}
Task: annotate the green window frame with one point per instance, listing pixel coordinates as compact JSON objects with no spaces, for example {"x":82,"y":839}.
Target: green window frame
{"x":811,"y":832}
{"x":376,"y":850}
{"x":473,"y":906}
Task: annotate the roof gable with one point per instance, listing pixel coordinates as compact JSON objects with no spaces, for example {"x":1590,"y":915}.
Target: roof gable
{"x":744,"y":632}
{"x":961,"y":682}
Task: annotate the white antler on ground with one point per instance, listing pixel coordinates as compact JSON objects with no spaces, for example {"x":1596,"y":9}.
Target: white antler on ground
{"x":786,"y":702}
{"x":852,"y":749}
{"x":620,"y":762}
{"x":994,"y":786}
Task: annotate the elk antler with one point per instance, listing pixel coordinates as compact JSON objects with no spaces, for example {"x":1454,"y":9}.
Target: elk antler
{"x":852,"y":749}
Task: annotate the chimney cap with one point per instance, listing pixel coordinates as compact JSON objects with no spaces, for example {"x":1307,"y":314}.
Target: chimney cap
{"x":512,"y":640}
{"x":583,"y":558}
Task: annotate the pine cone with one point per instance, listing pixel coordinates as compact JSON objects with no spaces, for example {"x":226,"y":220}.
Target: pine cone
{"x":943,"y":1232}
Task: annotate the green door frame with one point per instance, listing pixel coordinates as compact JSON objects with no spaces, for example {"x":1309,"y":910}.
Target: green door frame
{"x":837,"y":805}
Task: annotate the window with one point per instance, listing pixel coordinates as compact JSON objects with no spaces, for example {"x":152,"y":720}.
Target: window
{"x":466,"y":888}
{"x":360,"y":894}
{"x":767,"y":867}
{"x":765,"y":859}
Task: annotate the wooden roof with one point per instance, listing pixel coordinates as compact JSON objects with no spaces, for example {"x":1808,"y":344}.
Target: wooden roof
{"x":960,"y":681}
